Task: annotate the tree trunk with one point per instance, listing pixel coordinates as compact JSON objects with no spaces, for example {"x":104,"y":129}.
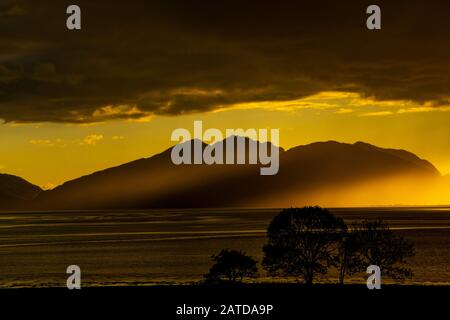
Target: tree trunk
{"x":342,"y":274}
{"x":342,"y":262}
{"x":309,"y":277}
{"x":342,"y":270}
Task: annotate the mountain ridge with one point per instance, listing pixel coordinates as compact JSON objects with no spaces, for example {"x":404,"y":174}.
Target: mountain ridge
{"x":316,"y":173}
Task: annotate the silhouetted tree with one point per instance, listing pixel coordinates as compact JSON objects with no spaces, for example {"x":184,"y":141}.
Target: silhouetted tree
{"x":232,"y":266}
{"x":381,"y":247}
{"x":302,"y":242}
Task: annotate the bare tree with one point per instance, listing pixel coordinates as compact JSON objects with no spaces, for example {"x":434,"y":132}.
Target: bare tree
{"x":380,"y":246}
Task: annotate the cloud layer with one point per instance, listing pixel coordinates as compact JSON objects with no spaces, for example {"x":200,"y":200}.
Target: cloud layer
{"x":141,"y":58}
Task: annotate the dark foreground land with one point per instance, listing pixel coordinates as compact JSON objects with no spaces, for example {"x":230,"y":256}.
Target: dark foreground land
{"x":289,"y":301}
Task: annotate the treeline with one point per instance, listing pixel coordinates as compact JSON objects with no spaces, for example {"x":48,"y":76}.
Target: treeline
{"x":305,"y":243}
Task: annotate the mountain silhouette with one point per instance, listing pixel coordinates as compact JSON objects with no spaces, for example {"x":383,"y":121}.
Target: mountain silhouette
{"x":15,"y":190}
{"x":327,"y":173}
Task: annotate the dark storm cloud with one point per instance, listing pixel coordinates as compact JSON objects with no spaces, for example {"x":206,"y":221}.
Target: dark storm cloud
{"x":173,"y":57}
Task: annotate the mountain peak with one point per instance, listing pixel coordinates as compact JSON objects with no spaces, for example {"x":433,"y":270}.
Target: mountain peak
{"x":14,"y":189}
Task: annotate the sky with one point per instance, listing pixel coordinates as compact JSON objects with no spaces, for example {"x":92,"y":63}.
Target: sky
{"x":74,"y":102}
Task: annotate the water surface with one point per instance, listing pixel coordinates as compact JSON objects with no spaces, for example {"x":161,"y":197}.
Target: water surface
{"x":174,"y":246}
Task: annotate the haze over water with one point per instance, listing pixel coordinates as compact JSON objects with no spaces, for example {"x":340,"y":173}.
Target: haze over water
{"x":175,"y":246}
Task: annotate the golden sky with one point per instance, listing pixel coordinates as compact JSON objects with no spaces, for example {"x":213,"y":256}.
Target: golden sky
{"x":49,"y":154}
